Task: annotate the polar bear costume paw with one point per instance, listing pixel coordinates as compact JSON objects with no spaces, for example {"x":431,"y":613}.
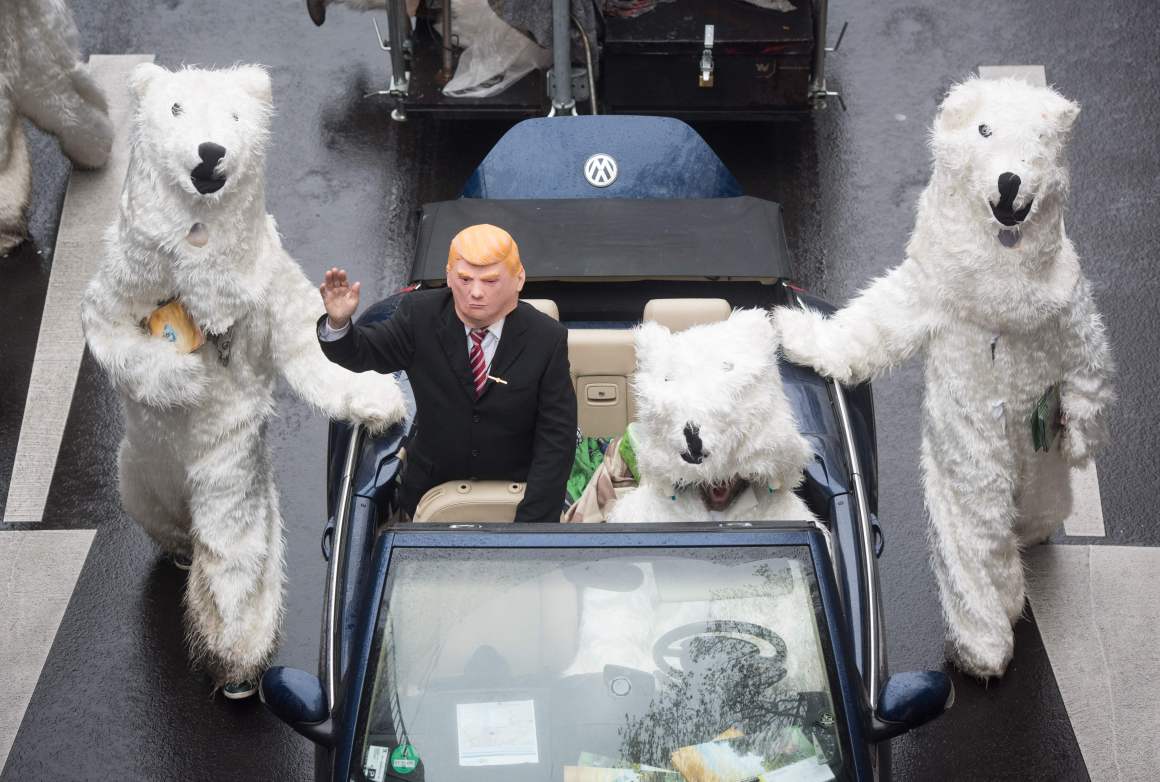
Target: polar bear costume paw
{"x":805,"y":340}
{"x":374,"y":401}
{"x":175,"y":380}
{"x":1082,"y":438}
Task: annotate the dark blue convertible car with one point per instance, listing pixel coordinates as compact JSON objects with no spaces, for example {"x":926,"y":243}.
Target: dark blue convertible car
{"x":460,"y":650}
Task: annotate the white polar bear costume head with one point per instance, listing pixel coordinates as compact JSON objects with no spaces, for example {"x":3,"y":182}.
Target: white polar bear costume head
{"x":202,"y":131}
{"x":711,"y":410}
{"x":989,"y":231}
{"x":193,"y":212}
{"x":1003,"y":142}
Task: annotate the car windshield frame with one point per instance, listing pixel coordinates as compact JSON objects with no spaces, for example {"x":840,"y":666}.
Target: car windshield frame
{"x":841,"y":678}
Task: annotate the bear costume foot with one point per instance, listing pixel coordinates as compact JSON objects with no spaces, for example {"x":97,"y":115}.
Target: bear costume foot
{"x":15,"y":185}
{"x":317,"y":11}
{"x":982,"y":659}
{"x":9,"y":241}
{"x":317,"y":8}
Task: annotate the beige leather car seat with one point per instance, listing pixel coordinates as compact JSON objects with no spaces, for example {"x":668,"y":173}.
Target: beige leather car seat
{"x":601,"y":361}
{"x":546,"y":306}
{"x":470,"y":501}
{"x":680,"y":314}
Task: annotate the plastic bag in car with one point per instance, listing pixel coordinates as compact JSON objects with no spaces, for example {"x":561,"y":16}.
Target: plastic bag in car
{"x":495,"y":55}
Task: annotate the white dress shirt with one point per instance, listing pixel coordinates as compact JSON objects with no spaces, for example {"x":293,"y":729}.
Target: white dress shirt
{"x":490,"y":339}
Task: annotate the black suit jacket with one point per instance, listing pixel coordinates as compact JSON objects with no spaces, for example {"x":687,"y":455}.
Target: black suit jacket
{"x":524,"y":430}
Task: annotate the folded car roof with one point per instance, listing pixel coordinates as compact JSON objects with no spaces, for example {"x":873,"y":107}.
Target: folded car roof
{"x":711,"y":238}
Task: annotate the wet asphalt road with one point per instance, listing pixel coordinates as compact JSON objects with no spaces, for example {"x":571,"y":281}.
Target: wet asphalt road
{"x":115,"y":700}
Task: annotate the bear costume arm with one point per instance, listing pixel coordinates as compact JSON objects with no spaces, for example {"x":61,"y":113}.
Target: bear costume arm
{"x":880,"y":328}
{"x":149,"y":369}
{"x":54,"y":89}
{"x":370,"y":398}
{"x":1087,"y":390}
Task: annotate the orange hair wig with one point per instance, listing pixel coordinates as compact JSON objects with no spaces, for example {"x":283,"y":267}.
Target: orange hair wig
{"x":483,"y":245}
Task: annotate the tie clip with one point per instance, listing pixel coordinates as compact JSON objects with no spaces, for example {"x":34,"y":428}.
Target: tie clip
{"x":497,"y":379}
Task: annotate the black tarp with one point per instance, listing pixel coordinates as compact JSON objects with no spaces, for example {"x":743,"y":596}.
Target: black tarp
{"x":716,"y":238}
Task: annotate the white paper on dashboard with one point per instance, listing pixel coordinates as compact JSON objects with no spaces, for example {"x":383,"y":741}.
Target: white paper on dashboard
{"x":804,"y":770}
{"x":500,"y":733}
{"x":375,"y":767}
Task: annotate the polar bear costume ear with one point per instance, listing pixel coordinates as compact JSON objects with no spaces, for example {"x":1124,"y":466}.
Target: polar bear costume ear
{"x":255,"y":81}
{"x":755,"y":329}
{"x":1062,"y":113}
{"x":959,"y":106}
{"x":142,"y":77}
{"x":649,"y":340}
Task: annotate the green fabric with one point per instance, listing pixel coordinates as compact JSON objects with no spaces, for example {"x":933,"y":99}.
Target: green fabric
{"x":627,"y":450}
{"x":1045,"y":424}
{"x":588,"y":458}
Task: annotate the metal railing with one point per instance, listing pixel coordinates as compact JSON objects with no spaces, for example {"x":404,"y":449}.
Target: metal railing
{"x":869,"y":562}
{"x":331,"y":658}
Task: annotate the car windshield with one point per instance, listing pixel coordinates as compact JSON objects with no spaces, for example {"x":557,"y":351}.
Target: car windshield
{"x":601,"y":665}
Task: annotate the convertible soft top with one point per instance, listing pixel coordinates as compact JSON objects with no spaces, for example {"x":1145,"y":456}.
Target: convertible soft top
{"x":598,"y":238}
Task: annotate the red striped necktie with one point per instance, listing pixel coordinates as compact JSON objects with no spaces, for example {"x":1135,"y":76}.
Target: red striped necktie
{"x":477,"y":361}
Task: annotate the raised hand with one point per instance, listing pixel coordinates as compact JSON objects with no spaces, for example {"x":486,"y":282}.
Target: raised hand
{"x":339,"y":297}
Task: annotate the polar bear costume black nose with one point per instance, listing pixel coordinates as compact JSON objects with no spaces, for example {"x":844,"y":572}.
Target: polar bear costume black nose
{"x":203,"y":176}
{"x":695,"y":453}
{"x":1005,"y":211}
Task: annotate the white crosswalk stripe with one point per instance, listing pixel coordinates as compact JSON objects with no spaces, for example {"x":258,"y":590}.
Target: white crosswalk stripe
{"x":1098,"y":612}
{"x":39,"y":570}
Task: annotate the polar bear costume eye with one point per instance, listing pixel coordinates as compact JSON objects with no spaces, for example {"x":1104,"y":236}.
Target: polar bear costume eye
{"x":235,"y":116}
{"x":985,"y":131}
{"x":176,"y":109}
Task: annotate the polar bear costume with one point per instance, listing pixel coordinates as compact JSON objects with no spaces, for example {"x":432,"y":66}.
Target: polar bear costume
{"x":715,"y":435}
{"x":991,"y":288}
{"x":42,"y":78}
{"x":194,"y":468}
{"x":715,"y":439}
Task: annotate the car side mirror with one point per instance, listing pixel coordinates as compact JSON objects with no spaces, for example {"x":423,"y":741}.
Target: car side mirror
{"x":909,"y":700}
{"x":297,"y":698}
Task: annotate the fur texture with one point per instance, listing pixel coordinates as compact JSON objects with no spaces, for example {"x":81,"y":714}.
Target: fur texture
{"x":722,"y":380}
{"x":42,"y":78}
{"x":1002,"y":312}
{"x":194,"y":468}
{"x":718,"y":383}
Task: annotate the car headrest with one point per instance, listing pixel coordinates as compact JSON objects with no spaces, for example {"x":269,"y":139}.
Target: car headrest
{"x":680,"y":314}
{"x":546,"y":306}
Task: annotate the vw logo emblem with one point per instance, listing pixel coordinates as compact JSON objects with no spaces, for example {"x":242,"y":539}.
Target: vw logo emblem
{"x":600,"y":170}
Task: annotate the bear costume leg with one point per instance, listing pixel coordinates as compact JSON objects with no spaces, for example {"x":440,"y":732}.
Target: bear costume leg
{"x":233,"y":599}
{"x":976,"y":558}
{"x":15,"y":178}
{"x":153,"y":492}
{"x":1043,"y":497}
